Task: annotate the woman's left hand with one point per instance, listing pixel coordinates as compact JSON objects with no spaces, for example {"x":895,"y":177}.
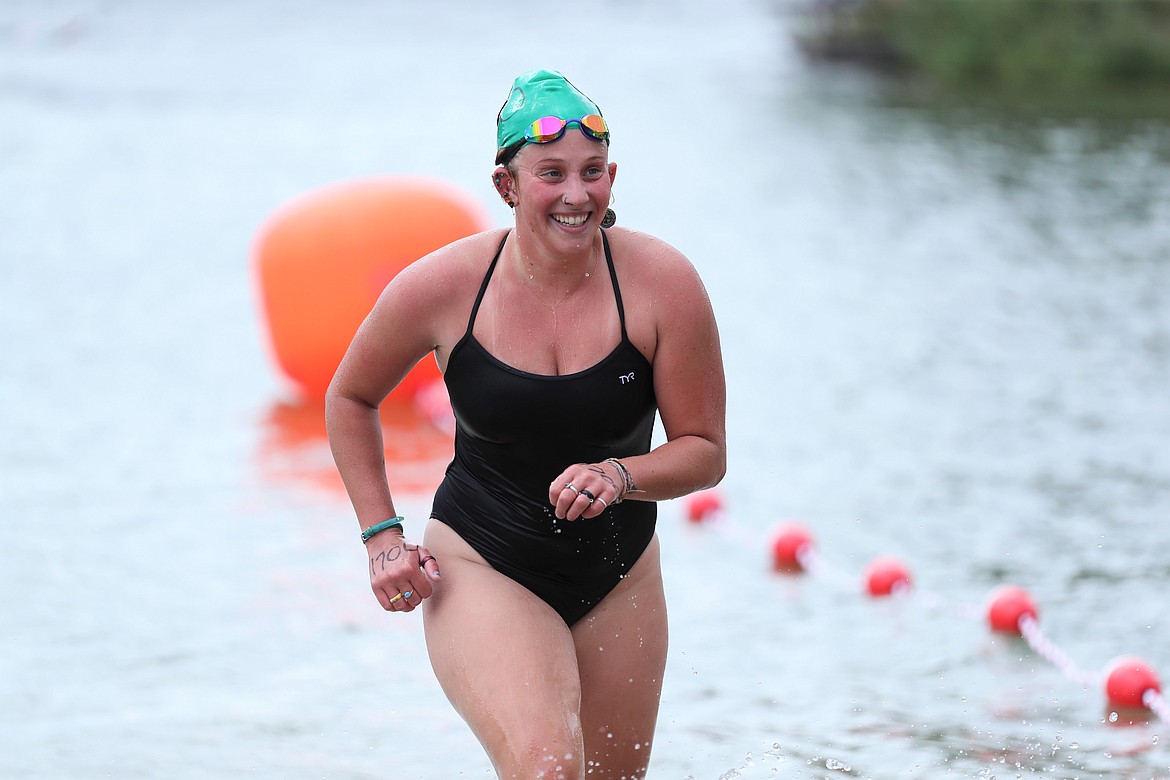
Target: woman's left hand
{"x":583,"y":490}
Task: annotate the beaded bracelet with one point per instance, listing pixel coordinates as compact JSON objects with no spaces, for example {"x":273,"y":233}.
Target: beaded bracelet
{"x":393,"y":522}
{"x":628,"y":485}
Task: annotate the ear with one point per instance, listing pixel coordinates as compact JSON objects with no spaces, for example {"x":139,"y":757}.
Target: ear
{"x":612,"y":172}
{"x":502,"y":181}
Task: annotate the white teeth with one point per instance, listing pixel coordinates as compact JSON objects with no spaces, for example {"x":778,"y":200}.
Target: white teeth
{"x":573,"y":221}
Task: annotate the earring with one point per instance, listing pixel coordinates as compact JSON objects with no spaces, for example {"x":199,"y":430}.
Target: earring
{"x":498,"y":180}
{"x":609,"y":220}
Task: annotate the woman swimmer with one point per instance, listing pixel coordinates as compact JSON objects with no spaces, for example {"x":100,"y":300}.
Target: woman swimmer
{"x":559,"y":341}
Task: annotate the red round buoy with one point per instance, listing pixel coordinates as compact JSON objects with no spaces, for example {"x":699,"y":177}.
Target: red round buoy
{"x":1006,"y":606}
{"x":886,"y":575}
{"x":321,"y":261}
{"x":703,"y":505}
{"x":1127,"y":680}
{"x":790,"y":541}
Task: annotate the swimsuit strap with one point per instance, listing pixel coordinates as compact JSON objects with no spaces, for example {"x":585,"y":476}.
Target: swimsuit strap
{"x":483,"y":285}
{"x":617,"y":292}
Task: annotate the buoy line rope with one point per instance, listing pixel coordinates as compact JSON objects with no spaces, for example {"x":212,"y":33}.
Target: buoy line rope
{"x":1130,"y":683}
{"x":1156,"y":703}
{"x":1030,"y":630}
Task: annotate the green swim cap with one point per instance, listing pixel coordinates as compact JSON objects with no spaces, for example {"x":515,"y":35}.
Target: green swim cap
{"x":537,"y":94}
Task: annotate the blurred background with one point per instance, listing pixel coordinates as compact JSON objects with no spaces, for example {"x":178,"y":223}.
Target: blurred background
{"x":936,"y":235}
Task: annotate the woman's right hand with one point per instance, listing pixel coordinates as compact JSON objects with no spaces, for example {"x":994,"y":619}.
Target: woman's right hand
{"x":401,"y":573}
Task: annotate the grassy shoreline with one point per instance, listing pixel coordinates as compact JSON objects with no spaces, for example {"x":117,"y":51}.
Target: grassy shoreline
{"x":1072,"y":47}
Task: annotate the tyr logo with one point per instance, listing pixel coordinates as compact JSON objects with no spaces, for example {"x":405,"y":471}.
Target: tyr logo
{"x":624,"y":378}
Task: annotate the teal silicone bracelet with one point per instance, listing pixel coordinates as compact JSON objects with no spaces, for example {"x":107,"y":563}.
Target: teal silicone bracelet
{"x":382,"y":526}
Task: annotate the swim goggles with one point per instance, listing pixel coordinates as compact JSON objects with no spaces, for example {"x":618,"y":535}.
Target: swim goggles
{"x":549,"y":128}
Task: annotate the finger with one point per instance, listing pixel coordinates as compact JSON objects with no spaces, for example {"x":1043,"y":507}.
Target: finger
{"x":565,"y":500}
{"x":582,"y":506}
{"x":591,"y":497}
{"x":575,"y":508}
{"x":409,"y":600}
{"x":429,"y":564}
{"x":599,"y":505}
{"x":557,"y":485}
{"x":390,"y":599}
{"x":595,"y":503}
{"x":419,"y":589}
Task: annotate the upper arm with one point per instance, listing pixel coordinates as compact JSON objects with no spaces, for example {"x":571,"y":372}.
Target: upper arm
{"x":689,"y":380}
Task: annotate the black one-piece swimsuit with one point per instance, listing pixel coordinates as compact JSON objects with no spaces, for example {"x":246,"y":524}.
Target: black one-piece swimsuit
{"x":515,"y":432}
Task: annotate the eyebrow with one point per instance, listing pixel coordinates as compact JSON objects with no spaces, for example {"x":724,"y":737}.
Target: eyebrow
{"x":599,"y":158}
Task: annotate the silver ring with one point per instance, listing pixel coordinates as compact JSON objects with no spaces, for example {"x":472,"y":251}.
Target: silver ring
{"x":569,"y":485}
{"x":585,"y":492}
{"x":604,"y":503}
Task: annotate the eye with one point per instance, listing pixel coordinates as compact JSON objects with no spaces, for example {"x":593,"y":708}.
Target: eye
{"x":594,"y":172}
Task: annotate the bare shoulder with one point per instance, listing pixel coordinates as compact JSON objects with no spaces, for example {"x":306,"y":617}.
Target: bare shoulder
{"x":642,"y":247}
{"x":648,"y":263}
{"x":426,"y":305}
{"x":439,"y":278}
{"x":667,"y":307}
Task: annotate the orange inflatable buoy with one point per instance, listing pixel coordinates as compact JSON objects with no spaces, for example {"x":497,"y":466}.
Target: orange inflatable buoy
{"x":322,"y":260}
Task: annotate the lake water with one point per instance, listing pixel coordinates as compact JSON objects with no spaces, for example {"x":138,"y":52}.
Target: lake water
{"x":947,"y":337}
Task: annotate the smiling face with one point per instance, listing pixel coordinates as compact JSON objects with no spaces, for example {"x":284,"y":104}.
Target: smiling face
{"x":561,"y":189}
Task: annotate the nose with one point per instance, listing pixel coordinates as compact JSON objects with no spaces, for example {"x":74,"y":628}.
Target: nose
{"x":575,"y":193}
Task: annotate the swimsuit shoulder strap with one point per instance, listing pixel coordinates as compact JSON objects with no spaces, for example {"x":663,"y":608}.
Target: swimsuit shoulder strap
{"x":617,"y":291}
{"x":483,"y":285}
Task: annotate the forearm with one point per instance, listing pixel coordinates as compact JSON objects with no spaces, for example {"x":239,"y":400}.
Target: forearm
{"x":355,"y":438}
{"x":676,"y":468}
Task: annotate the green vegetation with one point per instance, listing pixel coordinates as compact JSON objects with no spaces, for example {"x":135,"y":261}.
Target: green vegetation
{"x":1046,"y":46}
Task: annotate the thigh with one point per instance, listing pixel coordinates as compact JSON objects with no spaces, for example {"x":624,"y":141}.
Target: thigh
{"x":621,"y":654}
{"x":504,"y":658}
